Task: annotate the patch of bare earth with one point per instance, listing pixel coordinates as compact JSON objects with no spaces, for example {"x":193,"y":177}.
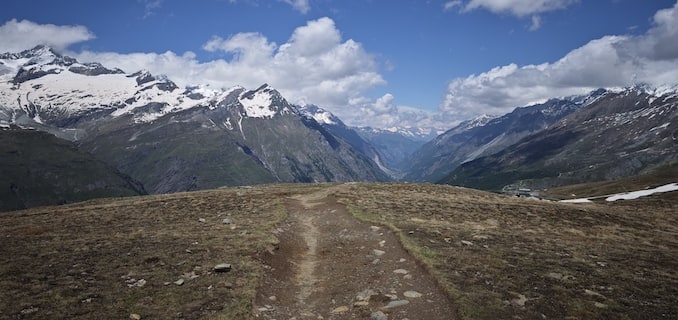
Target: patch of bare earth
{"x":331,"y":266}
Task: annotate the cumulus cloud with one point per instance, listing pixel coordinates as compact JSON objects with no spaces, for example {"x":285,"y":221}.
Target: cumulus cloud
{"x":21,"y":35}
{"x":611,"y":61}
{"x":314,"y":65}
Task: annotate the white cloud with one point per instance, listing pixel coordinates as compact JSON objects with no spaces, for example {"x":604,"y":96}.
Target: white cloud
{"x":21,"y":35}
{"x":520,"y":8}
{"x":150,"y":6}
{"x":314,"y":65}
{"x":536,"y":23}
{"x":449,"y":5}
{"x":302,"y":6}
{"x":611,"y":61}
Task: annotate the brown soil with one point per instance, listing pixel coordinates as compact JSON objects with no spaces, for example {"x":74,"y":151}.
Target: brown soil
{"x":331,"y":266}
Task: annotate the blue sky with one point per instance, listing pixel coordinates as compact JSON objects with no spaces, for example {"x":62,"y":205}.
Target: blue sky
{"x":372,"y":62}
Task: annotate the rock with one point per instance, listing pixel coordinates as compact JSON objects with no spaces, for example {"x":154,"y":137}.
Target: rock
{"x":410,"y":232}
{"x":408,"y":277}
{"x":202,"y":220}
{"x":378,"y":316}
{"x":374,"y":228}
{"x":365,"y":295}
{"x":382,"y":243}
{"x":600,"y":305}
{"x":395,"y":304}
{"x":412,"y":294}
{"x":378,"y":252}
{"x":135,"y":316}
{"x":222,"y":267}
{"x":338,"y":310}
{"x":400,"y":271}
{"x":273,"y":298}
{"x":179,"y":282}
{"x":227,"y":221}
{"x":361,"y":303}
{"x":466,"y":243}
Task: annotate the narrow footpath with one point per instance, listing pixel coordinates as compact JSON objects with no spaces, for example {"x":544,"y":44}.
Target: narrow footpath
{"x":331,"y":266}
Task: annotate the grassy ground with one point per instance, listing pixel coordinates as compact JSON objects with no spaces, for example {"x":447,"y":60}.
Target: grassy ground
{"x":499,"y":257}
{"x":502,"y":257}
{"x":112,"y":258}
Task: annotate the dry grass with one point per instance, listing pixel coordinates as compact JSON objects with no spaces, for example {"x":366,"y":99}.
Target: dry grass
{"x":501,"y":257}
{"x":87,"y":260}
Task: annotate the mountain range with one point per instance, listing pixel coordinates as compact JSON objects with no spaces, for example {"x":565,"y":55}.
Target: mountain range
{"x":136,"y":133}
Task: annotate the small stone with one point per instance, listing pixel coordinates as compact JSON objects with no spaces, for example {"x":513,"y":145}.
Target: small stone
{"x":179,"y":282}
{"x":273,"y":298}
{"x":412,"y":294}
{"x":466,"y":243}
{"x":600,"y":305}
{"x":374,"y":228}
{"x":222,"y":267}
{"x":135,"y":316}
{"x":395,"y":304}
{"x":378,"y":316}
{"x":365,"y":295}
{"x":402,"y":260}
{"x":378,"y":252}
{"x":376,"y":261}
{"x":227,"y":221}
{"x":202,"y":220}
{"x":361,"y":303}
{"x":400,"y":271}
{"x":410,"y":232}
{"x":382,"y":243}
{"x":338,"y":310}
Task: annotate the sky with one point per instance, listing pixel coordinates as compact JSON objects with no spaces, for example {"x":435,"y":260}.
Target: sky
{"x":380,"y":63}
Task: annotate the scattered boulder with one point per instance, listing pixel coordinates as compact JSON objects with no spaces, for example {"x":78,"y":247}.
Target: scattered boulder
{"x":135,"y":316}
{"x":378,"y":316}
{"x":395,"y":304}
{"x":378,"y":252}
{"x":412,"y":294}
{"x":222,"y":267}
{"x":339,"y":310}
{"x":227,"y":221}
{"x":179,"y":282}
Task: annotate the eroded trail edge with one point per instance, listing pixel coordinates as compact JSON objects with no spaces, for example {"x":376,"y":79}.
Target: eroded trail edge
{"x":331,"y":266}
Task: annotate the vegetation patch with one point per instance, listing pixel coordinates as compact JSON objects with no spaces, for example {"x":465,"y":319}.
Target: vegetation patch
{"x":504,"y":257}
{"x":150,"y":256}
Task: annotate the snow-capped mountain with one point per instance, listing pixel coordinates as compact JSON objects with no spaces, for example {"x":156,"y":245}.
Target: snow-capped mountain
{"x":486,"y":135}
{"x":614,"y":134}
{"x":169,"y":138}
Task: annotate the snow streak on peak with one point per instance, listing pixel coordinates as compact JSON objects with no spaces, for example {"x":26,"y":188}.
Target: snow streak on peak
{"x":261,"y":103}
{"x":320,"y":115}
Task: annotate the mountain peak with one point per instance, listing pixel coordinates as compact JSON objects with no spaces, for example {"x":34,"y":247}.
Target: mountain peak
{"x":319,"y":114}
{"x":263,"y":102}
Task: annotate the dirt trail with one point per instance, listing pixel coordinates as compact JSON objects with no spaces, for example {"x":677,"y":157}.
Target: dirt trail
{"x":331,"y":266}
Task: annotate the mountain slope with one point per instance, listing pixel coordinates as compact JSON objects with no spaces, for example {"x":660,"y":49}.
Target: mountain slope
{"x":619,"y":135}
{"x":487,"y":135}
{"x":174,"y":139}
{"x":39,"y":169}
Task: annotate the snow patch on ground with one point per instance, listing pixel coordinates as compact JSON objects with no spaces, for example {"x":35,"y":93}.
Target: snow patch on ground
{"x":627,"y":195}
